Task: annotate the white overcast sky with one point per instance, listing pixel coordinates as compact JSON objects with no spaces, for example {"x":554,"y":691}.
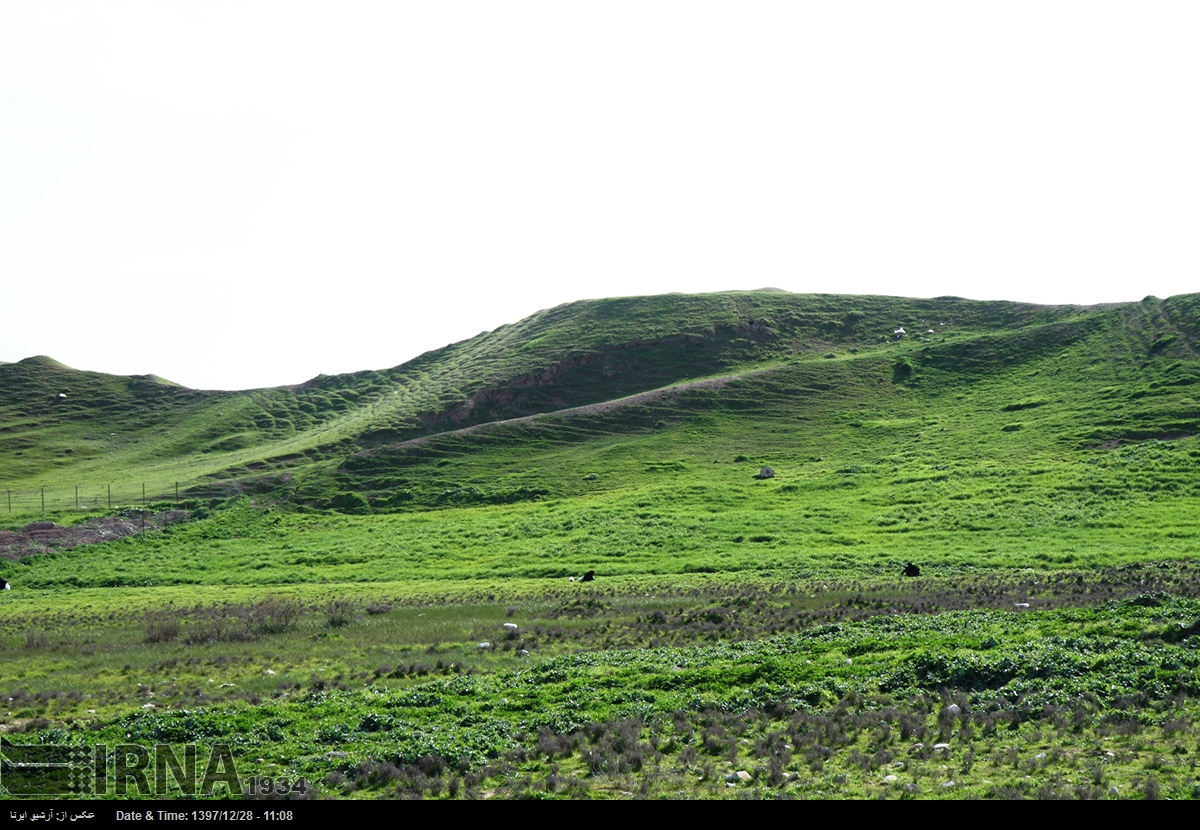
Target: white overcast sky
{"x":249,"y":193}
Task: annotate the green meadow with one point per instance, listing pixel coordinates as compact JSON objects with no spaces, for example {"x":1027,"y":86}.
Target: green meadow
{"x":351,"y":543}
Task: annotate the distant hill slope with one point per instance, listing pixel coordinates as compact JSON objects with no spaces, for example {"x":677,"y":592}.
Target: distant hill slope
{"x":609,"y":367}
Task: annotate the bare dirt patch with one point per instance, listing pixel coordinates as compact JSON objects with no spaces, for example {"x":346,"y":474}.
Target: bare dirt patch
{"x":39,"y":537}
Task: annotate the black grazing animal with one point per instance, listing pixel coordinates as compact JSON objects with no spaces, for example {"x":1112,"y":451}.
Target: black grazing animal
{"x":4,"y":586}
{"x":911,"y":570}
{"x":588,"y":577}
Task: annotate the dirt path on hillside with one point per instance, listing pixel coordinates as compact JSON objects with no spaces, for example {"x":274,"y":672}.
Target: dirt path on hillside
{"x":588,"y":409}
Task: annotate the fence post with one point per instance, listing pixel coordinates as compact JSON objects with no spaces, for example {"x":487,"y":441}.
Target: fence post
{"x":143,"y":498}
{"x":177,"y":494}
{"x":43,"y":501}
{"x":110,"y":496}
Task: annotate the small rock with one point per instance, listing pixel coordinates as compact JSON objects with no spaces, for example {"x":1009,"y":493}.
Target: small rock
{"x":743,"y":775}
{"x":510,"y":626}
{"x":485,"y":646}
{"x":891,"y":779}
{"x":523,"y":652}
{"x":1113,"y":791}
{"x":766,"y":472}
{"x":953,"y":710}
{"x":1022,"y":604}
{"x":941,"y":747}
{"x":335,"y":755}
{"x":948,"y":784}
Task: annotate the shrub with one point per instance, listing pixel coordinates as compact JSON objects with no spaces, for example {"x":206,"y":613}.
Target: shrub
{"x":275,"y":615}
{"x":340,"y":613}
{"x":36,"y":640}
{"x":162,"y":626}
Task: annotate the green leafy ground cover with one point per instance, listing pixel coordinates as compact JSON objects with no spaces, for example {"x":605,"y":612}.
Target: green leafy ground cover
{"x":1040,"y":464}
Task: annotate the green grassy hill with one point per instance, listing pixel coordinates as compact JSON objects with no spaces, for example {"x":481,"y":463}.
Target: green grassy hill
{"x":1111,"y":373}
{"x":357,"y":536}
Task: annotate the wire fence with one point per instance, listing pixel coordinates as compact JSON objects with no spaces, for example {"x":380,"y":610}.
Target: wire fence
{"x":91,"y":497}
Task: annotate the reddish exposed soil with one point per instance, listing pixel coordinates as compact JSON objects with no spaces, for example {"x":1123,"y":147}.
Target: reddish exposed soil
{"x":39,"y":537}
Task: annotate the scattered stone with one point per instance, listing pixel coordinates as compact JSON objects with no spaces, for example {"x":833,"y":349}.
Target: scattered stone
{"x":953,"y":710}
{"x":335,"y":755}
{"x":485,"y":645}
{"x":948,"y":784}
{"x":1113,"y":791}
{"x":1022,"y":604}
{"x":766,"y":472}
{"x":510,"y":626}
{"x":523,"y":652}
{"x":891,"y":779}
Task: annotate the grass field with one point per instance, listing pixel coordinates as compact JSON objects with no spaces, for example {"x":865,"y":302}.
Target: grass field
{"x":353,"y":540}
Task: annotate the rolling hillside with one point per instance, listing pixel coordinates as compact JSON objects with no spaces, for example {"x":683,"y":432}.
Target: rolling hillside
{"x":587,"y":371}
